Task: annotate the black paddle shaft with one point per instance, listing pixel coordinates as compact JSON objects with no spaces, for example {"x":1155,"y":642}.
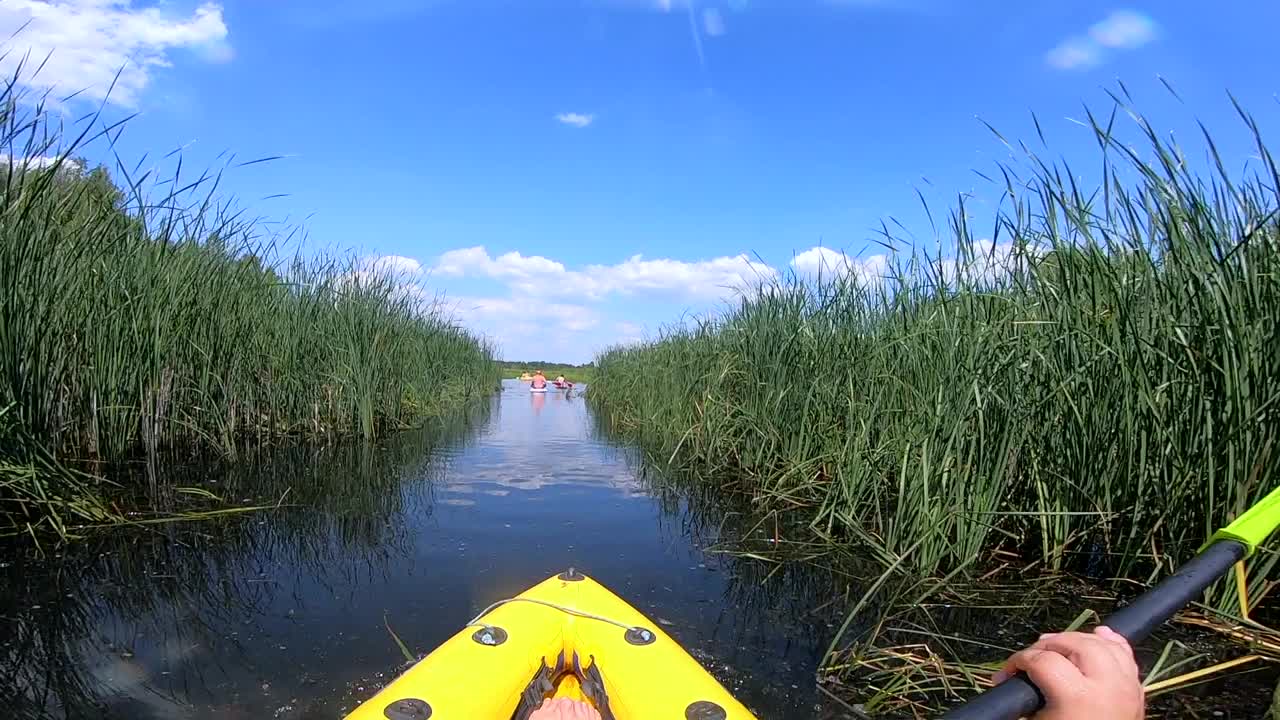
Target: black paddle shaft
{"x":1019,"y":697}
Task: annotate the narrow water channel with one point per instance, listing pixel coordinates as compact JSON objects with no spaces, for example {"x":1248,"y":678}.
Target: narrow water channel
{"x":290,"y":613}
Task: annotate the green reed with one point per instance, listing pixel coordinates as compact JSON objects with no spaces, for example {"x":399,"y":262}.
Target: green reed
{"x":1096,"y":386}
{"x":152,"y":316}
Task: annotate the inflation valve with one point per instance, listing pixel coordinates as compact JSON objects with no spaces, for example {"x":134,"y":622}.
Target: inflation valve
{"x":490,"y":635}
{"x":704,"y":710}
{"x":407,"y":709}
{"x":640,"y":636}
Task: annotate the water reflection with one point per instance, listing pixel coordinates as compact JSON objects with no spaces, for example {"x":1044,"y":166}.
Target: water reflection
{"x":155,"y":621}
{"x":285,"y":614}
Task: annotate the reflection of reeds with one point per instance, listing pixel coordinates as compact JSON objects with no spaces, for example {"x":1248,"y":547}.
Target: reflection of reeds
{"x":1096,"y":388}
{"x":194,"y":585}
{"x":154,"y":317}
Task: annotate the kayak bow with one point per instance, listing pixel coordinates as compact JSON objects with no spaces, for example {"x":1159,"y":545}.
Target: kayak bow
{"x":1019,"y":697}
{"x":567,"y":636}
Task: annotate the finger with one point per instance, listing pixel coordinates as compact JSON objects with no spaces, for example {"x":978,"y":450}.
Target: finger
{"x":1107,"y":633}
{"x":1054,"y":674}
{"x":1120,"y":648}
{"x":1094,"y":656}
{"x":1010,"y":666}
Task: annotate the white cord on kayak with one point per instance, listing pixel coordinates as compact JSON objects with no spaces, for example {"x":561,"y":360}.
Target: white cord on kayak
{"x":561,"y":608}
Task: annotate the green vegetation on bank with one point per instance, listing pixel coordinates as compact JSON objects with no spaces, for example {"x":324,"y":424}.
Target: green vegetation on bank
{"x":1095,"y":388}
{"x":574,"y":373}
{"x":152,"y":318}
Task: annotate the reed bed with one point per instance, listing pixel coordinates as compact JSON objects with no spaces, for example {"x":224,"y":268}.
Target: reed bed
{"x":1094,"y":386}
{"x":142,"y":315}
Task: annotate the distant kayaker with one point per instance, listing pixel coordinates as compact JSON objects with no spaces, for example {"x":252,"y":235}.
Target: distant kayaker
{"x":1083,"y":676}
{"x":539,"y":380}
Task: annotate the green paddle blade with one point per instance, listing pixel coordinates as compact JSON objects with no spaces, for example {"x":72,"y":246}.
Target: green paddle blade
{"x":1251,"y":528}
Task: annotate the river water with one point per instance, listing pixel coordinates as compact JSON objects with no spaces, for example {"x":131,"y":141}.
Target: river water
{"x":289,"y":613}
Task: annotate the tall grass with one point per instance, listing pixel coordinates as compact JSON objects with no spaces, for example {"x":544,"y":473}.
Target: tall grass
{"x":153,"y":317}
{"x":1095,"y":387}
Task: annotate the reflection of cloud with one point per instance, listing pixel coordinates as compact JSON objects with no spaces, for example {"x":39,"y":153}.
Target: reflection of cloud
{"x":525,"y":453}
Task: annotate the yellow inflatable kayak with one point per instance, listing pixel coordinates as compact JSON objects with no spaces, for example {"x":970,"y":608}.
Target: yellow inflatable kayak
{"x":567,"y":636}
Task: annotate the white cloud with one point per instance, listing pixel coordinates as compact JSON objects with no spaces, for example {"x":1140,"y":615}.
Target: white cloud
{"x":1075,"y":53}
{"x":528,"y":273}
{"x":1120,"y":30}
{"x":548,"y":300}
{"x":40,"y":161}
{"x":578,"y":120}
{"x":404,"y":276}
{"x":628,"y":332}
{"x":717,"y":277}
{"x":535,"y":275}
{"x":524,"y":307}
{"x":983,"y":262}
{"x":1124,"y":29}
{"x":392,"y":265}
{"x":88,"y":41}
{"x":518,"y":315}
{"x":825,"y":262}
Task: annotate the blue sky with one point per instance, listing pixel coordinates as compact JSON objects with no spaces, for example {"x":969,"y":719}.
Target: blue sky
{"x":572,"y":173}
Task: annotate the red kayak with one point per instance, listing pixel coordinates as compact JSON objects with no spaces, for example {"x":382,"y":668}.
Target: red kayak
{"x":562,"y":385}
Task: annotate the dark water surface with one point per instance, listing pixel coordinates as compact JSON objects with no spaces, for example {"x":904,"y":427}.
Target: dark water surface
{"x":285,"y":614}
